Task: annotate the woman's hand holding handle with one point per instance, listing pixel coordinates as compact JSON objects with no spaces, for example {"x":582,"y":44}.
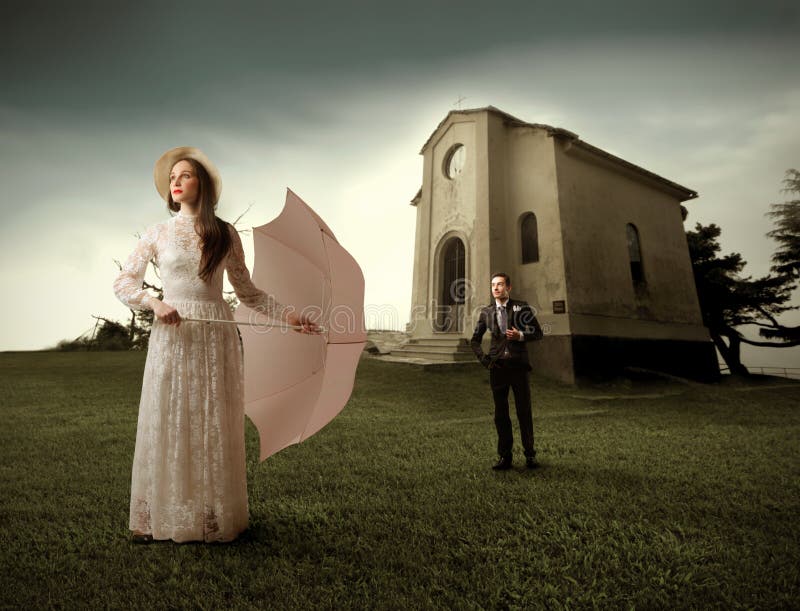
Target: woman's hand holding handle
{"x":166,"y":313}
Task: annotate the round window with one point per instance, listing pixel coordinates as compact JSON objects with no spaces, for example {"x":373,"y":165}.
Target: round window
{"x":454,"y":162}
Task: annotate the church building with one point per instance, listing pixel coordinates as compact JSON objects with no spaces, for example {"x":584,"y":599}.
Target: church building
{"x":594,"y":243}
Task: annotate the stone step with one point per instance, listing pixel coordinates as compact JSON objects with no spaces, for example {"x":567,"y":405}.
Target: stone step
{"x":425,"y":364}
{"x":448,"y":355}
{"x":442,"y":341}
{"x":439,"y":348}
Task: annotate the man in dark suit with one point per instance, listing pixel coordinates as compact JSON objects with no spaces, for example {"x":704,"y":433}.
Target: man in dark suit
{"x":511,"y":323}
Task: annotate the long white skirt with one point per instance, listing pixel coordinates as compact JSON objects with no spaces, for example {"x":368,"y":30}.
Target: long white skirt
{"x":189,"y":481}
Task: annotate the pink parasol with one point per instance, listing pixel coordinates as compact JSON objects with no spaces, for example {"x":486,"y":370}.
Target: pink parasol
{"x":294,"y":384}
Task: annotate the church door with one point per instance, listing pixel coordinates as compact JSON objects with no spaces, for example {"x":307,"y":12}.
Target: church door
{"x":453,"y":287}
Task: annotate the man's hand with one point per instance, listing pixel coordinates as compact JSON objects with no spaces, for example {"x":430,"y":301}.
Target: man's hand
{"x":514,"y":333}
{"x":490,"y":363}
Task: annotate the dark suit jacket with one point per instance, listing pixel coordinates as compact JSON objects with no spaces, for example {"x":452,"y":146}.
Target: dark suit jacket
{"x":521,"y":317}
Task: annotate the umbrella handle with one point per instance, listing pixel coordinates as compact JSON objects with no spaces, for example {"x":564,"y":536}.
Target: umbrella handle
{"x":252,"y":324}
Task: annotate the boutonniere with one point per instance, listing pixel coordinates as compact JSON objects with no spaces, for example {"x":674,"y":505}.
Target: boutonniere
{"x":516,"y":308}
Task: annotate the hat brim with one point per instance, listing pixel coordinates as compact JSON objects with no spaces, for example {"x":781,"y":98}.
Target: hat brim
{"x":171,"y":157}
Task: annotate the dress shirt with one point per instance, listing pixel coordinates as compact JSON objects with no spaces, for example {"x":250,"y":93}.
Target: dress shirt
{"x":501,"y":304}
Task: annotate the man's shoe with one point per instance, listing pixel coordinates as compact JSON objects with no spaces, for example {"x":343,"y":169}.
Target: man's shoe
{"x":531,"y":463}
{"x":502,"y":464}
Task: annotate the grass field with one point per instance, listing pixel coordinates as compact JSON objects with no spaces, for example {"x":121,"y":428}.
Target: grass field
{"x":650,"y":495}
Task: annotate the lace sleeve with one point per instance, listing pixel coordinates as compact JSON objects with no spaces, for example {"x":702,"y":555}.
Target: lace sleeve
{"x":128,"y":284}
{"x":247,"y":292}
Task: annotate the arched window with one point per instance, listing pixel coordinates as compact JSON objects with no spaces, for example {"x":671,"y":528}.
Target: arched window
{"x":453,"y":276}
{"x":453,"y":288}
{"x":529,"y":234}
{"x":635,"y":255}
{"x":454,"y":161}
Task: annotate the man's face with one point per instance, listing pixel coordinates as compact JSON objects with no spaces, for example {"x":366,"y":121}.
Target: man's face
{"x":500,"y":289}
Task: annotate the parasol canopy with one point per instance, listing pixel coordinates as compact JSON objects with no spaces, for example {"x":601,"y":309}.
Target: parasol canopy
{"x":294,"y":384}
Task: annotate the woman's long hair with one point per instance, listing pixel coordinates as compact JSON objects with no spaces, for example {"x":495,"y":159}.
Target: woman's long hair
{"x":213,"y":231}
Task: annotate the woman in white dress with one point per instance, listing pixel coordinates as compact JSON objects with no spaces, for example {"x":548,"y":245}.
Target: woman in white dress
{"x":188,"y":479}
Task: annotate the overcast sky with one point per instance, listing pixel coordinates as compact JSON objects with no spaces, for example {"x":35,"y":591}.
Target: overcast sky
{"x":335,"y":99}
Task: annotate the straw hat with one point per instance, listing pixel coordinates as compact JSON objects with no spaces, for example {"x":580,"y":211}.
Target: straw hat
{"x":171,"y":157}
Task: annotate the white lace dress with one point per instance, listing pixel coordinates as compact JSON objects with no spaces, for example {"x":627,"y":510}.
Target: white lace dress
{"x":188,"y":479}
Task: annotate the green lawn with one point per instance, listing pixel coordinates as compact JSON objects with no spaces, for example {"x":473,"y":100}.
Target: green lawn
{"x":651,"y":495}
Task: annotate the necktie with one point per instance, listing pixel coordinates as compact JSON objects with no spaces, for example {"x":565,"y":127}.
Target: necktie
{"x":502,"y":316}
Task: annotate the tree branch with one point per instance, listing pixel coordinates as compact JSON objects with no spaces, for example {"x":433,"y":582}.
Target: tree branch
{"x":238,"y":218}
{"x":111,"y":322}
{"x":757,"y":324}
{"x":790,"y":344}
{"x":769,"y":316}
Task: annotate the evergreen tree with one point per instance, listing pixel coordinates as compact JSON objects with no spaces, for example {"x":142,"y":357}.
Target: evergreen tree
{"x":786,"y":260}
{"x":728,"y":300}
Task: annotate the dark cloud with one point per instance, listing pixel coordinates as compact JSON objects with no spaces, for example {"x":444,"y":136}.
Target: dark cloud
{"x":126,"y":58}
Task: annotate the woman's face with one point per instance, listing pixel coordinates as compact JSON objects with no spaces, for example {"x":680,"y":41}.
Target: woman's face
{"x":183,"y":183}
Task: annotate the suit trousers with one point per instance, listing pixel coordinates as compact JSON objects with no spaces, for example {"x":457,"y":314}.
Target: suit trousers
{"x":514,"y":376}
